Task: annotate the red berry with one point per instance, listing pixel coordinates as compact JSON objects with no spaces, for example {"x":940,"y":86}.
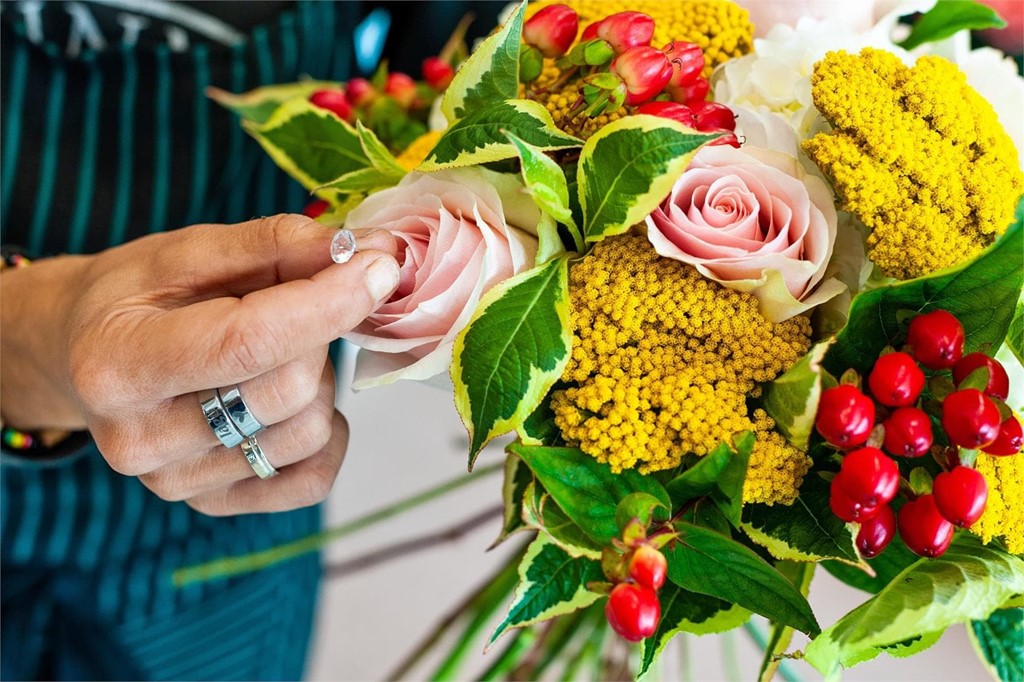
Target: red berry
{"x":845,"y":416}
{"x":633,"y":611}
{"x":876,"y":533}
{"x":644,"y":70}
{"x":1010,"y":438}
{"x":687,"y":62}
{"x":552,"y":30}
{"x":908,"y":432}
{"x":923,"y":528}
{"x":648,"y":567}
{"x":960,"y":494}
{"x":626,"y":30}
{"x":937,"y":338}
{"x":437,"y":72}
{"x":713,"y":116}
{"x":869,"y":477}
{"x":401,"y":87}
{"x":998,"y":382}
{"x":728,"y":138}
{"x":970,"y":419}
{"x":315,"y":209}
{"x":896,"y":380}
{"x":697,"y":91}
{"x":590,"y":32}
{"x":844,"y":506}
{"x":333,"y":101}
{"x":359,"y":91}
{"x":676,"y":112}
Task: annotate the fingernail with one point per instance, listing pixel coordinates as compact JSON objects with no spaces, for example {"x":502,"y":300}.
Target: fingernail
{"x":343,"y":246}
{"x":382,"y":277}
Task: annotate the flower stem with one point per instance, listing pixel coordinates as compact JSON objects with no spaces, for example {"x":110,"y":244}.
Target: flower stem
{"x":247,"y":563}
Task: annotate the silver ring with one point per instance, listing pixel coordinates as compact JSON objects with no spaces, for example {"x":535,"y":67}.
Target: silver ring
{"x":257,"y":460}
{"x":238,"y":413}
{"x":217,"y":417}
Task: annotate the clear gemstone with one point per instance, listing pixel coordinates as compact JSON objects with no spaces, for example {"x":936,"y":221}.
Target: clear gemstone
{"x":343,"y":246}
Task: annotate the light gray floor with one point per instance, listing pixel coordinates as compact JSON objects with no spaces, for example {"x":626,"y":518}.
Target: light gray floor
{"x":407,"y":437}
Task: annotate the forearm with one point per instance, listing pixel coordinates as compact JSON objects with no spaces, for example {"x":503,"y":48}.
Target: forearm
{"x":35,"y":303}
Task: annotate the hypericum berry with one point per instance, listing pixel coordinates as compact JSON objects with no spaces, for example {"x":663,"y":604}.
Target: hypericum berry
{"x":687,"y":62}
{"x":970,"y":419}
{"x":401,"y":87}
{"x":333,"y":101}
{"x":633,"y":611}
{"x":937,"y":338}
{"x":908,"y":432}
{"x":697,"y":91}
{"x":844,"y":506}
{"x":552,"y":30}
{"x":925,"y":531}
{"x":315,"y":208}
{"x":713,"y":116}
{"x":845,"y":416}
{"x":648,"y":567}
{"x":869,"y":477}
{"x":359,"y":92}
{"x":437,"y":72}
{"x":644,"y":70}
{"x":896,"y":380}
{"x":960,"y":494}
{"x":998,"y":382}
{"x":1010,"y":439}
{"x":626,"y":30}
{"x":590,"y":32}
{"x":670,"y":110}
{"x":876,"y":532}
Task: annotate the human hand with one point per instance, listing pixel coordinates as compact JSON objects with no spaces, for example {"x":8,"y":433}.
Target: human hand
{"x":120,"y":343}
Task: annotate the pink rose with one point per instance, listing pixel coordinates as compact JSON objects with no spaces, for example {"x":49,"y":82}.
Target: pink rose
{"x":753,"y":220}
{"x":460,"y":232}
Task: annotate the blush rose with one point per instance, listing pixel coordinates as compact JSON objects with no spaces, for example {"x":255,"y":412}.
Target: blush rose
{"x":460,"y":232}
{"x":753,"y":220}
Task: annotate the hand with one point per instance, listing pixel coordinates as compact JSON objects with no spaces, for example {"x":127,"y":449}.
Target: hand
{"x":120,"y":343}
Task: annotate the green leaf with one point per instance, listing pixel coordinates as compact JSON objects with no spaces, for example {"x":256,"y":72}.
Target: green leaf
{"x":718,"y":474}
{"x":544,"y":514}
{"x":546,"y":183}
{"x":968,"y":582}
{"x":800,"y":575}
{"x":480,"y":137}
{"x":628,"y":167}
{"x":886,"y":566}
{"x":1000,"y":643}
{"x":540,"y":428}
{"x":512,"y":352}
{"x":551,"y":583}
{"x":709,"y":563}
{"x":490,"y":74}
{"x":377,"y":154}
{"x":361,"y":181}
{"x":792,"y":399}
{"x":642,"y":506}
{"x":685,"y":611}
{"x":1015,"y":335}
{"x":311,"y":144}
{"x":948,"y":17}
{"x":586,"y":490}
{"x":806,"y":530}
{"x":258,"y":105}
{"x":518,"y":477}
{"x":982,"y":294}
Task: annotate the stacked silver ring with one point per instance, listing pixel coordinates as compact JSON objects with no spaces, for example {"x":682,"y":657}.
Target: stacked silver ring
{"x":233,"y":424}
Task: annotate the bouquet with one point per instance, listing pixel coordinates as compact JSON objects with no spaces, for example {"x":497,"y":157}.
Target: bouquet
{"x":748,"y":307}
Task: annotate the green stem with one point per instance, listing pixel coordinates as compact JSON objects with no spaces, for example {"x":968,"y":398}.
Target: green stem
{"x":509,"y":658}
{"x":247,"y":563}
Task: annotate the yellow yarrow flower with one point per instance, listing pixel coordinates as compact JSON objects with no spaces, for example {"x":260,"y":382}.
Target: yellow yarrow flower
{"x":420,"y":149}
{"x":662,"y":364}
{"x":1004,"y":511}
{"x":776,"y":469}
{"x":917,"y":155}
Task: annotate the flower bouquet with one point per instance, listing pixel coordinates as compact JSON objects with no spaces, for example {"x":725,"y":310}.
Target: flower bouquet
{"x":748,"y":307}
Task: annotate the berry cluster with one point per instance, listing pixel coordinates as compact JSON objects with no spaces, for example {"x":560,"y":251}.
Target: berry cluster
{"x":637,"y":570}
{"x":618,"y":66}
{"x":896,"y":417}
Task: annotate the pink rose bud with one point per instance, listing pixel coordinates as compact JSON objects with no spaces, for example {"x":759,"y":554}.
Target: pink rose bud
{"x":401,"y":87}
{"x":626,"y":30}
{"x":713,"y":116}
{"x":552,"y":30}
{"x":687,"y":62}
{"x":644,"y":70}
{"x":359,"y":91}
{"x":333,"y":101}
{"x":671,"y":110}
{"x":697,"y":91}
{"x":437,"y":72}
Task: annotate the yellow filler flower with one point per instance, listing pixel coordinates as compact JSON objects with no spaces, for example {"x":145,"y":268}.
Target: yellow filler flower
{"x":662,"y":363}
{"x":1004,"y":511}
{"x":917,"y":155}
